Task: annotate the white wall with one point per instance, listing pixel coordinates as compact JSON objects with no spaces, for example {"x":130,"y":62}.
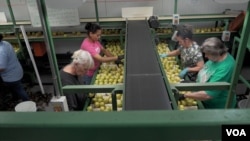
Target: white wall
{"x":112,"y":8}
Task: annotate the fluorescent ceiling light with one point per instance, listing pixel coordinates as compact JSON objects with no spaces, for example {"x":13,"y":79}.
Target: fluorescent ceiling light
{"x":231,"y":1}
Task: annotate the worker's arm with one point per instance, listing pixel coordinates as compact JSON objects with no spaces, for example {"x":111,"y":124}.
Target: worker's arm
{"x":106,"y":52}
{"x":200,"y":95}
{"x":100,"y":58}
{"x":197,"y":68}
{"x":174,"y":53}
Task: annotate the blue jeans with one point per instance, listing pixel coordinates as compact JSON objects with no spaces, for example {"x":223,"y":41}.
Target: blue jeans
{"x":17,"y":90}
{"x":87,"y":79}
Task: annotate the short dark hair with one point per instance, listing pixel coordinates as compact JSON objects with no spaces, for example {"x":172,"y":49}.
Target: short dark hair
{"x":92,"y":27}
{"x":185,"y":31}
{"x":1,"y":37}
{"x":214,"y":46}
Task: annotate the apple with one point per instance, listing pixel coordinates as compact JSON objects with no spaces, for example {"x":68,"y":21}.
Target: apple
{"x":119,"y":103}
{"x":181,"y":107}
{"x":110,"y":100}
{"x":96,"y":104}
{"x":91,"y":94}
{"x":102,"y":103}
{"x":102,"y":108}
{"x":108,"y":108}
{"x":118,"y":96}
{"x":89,"y":108}
{"x":106,"y":100}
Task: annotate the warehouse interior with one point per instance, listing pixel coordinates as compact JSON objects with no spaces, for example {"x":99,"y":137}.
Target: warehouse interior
{"x":141,"y":103}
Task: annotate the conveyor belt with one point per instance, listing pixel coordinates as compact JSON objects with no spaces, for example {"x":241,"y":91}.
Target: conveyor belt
{"x":144,"y":86}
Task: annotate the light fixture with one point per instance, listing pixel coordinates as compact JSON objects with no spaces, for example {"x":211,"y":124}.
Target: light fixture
{"x":231,"y":1}
{"x":68,"y":4}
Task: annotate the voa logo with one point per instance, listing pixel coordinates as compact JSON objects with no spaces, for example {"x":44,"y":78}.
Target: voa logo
{"x":236,"y":132}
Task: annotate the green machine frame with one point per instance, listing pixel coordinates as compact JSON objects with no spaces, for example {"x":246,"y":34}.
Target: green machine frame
{"x":129,"y":125}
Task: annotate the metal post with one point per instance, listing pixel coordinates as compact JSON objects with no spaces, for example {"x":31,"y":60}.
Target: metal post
{"x":32,"y":58}
{"x":14,"y":24}
{"x":49,"y":46}
{"x":96,"y":12}
{"x":175,"y":6}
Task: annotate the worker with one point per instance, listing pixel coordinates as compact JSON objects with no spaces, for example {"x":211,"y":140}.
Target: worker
{"x":189,"y":51}
{"x":218,"y":68}
{"x":11,"y":71}
{"x":72,"y":73}
{"x":93,"y":46}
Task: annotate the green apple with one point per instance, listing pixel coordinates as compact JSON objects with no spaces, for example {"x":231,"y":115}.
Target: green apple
{"x":96,"y":104}
{"x":119,"y":103}
{"x":89,"y":108}
{"x":118,"y":96}
{"x":91,"y":94}
{"x":102,"y":108}
{"x":102,"y":103}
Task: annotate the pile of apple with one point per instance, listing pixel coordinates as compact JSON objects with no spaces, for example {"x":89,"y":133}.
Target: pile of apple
{"x":33,"y":34}
{"x":103,"y":102}
{"x":114,"y":47}
{"x":187,"y":103}
{"x":110,"y":31}
{"x":164,"y":30}
{"x":109,"y":74}
{"x":171,"y":68}
{"x":66,"y":34}
{"x":208,"y":29}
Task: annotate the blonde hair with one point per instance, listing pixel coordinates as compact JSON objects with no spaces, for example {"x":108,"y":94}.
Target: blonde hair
{"x":83,"y":57}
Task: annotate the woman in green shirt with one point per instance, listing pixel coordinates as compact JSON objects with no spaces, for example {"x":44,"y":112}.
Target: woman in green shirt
{"x":218,"y":68}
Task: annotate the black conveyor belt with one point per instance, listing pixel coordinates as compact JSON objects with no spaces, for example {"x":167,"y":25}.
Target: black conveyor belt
{"x":144,"y":85}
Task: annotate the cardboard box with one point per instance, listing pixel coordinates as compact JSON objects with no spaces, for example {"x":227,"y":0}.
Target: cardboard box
{"x":58,"y":104}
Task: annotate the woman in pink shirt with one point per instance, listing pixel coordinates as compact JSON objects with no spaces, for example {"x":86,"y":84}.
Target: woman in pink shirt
{"x":94,"y":47}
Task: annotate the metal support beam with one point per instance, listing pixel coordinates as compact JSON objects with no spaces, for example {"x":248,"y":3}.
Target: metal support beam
{"x":14,"y":26}
{"x":175,"y":6}
{"x":96,"y":12}
{"x":242,"y":79}
{"x":240,"y":56}
{"x":201,"y":86}
{"x":92,"y":88}
{"x":122,"y":126}
{"x":49,"y":46}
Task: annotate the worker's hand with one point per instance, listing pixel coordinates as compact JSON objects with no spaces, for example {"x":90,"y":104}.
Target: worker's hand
{"x":178,"y":96}
{"x":181,"y":97}
{"x":163,"y":55}
{"x":183,"y":73}
{"x":120,"y":57}
{"x":117,"y":62}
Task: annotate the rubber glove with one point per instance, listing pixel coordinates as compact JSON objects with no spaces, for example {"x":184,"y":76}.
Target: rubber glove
{"x":117,"y":62}
{"x":120,"y":57}
{"x":163,"y":55}
{"x":178,"y":96}
{"x":183,"y":73}
{"x":181,"y":97}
